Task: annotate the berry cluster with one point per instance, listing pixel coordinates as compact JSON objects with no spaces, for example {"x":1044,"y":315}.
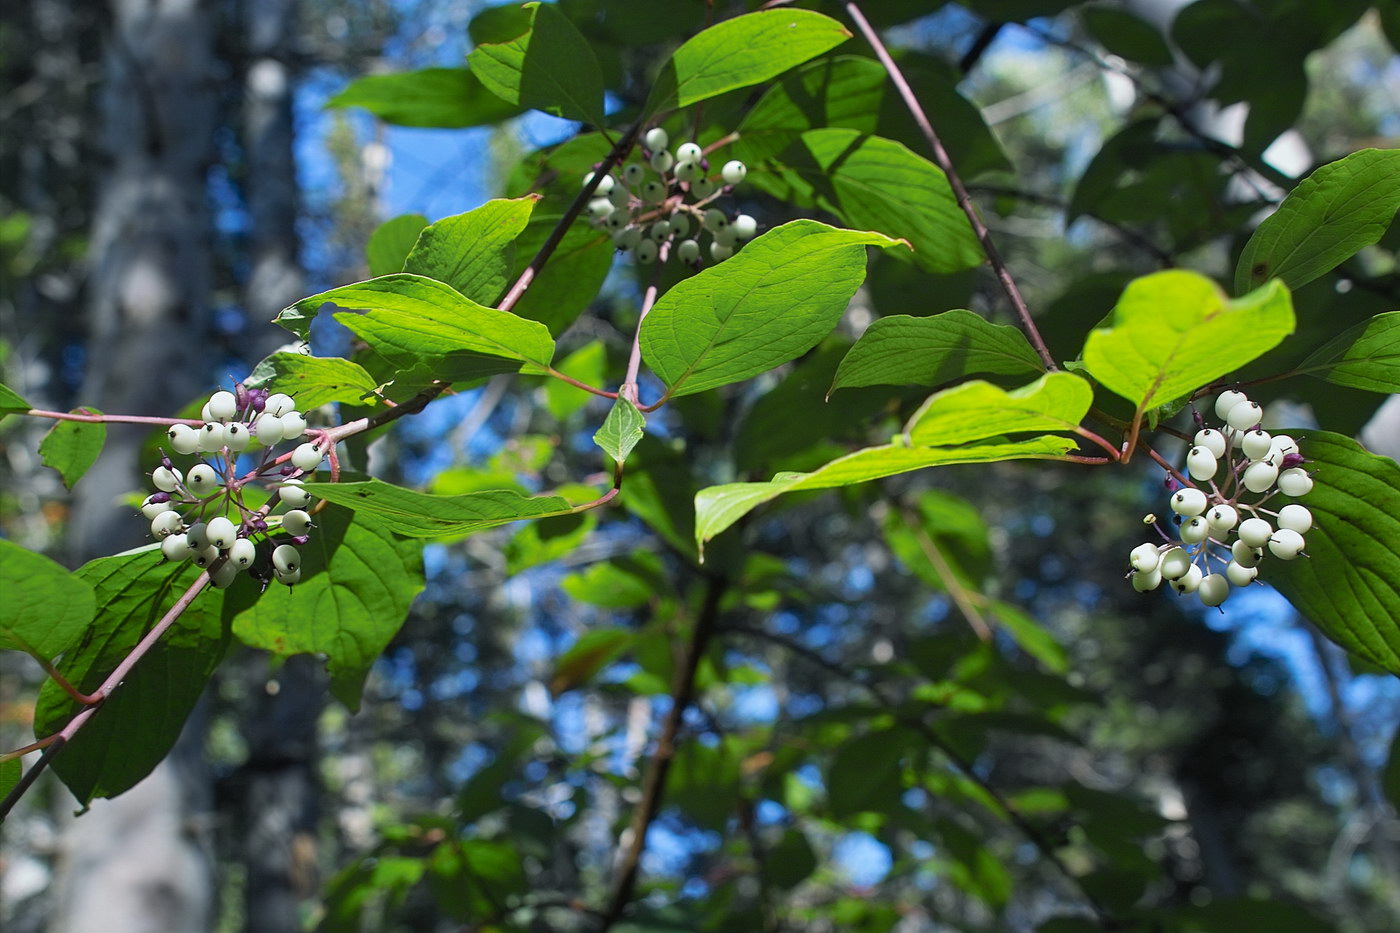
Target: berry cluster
{"x":200,"y":514}
{"x":1255,"y":464}
{"x":646,"y":209}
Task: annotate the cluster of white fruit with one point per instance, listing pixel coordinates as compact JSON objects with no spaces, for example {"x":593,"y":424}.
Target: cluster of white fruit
{"x":192,"y":523}
{"x":645,"y":210}
{"x":1255,"y":463}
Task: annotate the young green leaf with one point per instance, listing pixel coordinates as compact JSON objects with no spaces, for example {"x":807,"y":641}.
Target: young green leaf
{"x":588,"y":656}
{"x":450,"y":98}
{"x":930,"y":351}
{"x":718,"y":507}
{"x":11,"y":402}
{"x":424,"y":515}
{"x":1349,"y":584}
{"x":771,"y":302}
{"x":740,"y":52}
{"x":551,"y":67}
{"x":414,"y":321}
{"x":1175,"y":331}
{"x":473,"y":252}
{"x":71,"y":447}
{"x":358,"y":580}
{"x":621,"y":431}
{"x":45,"y":608}
{"x":391,"y":242}
{"x":142,"y":719}
{"x":312,"y":380}
{"x":1366,"y":356}
{"x":976,"y":409}
{"x":1333,"y":213}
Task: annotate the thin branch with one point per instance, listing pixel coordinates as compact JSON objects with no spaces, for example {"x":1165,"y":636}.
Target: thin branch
{"x":1130,"y":236}
{"x":979,"y":46}
{"x":940,"y":155}
{"x":634,"y":361}
{"x":950,"y":580}
{"x":654,"y":785}
{"x":110,"y":419}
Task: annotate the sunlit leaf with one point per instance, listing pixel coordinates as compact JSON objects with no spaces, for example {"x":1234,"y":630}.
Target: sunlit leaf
{"x":473,"y":252}
{"x":551,"y":67}
{"x":45,"y":608}
{"x":930,"y":351}
{"x":1366,"y":356}
{"x":434,"y":97}
{"x":973,"y":410}
{"x":71,"y":447}
{"x":423,"y":515}
{"x":312,"y":380}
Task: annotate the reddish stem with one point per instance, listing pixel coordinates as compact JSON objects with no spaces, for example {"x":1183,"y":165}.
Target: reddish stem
{"x":111,"y":419}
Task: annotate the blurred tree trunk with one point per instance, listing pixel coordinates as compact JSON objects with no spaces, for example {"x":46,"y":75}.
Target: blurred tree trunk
{"x":141,"y":862}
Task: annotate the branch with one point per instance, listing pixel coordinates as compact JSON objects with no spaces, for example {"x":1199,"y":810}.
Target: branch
{"x":634,"y":362}
{"x":654,"y":786}
{"x":940,"y":155}
{"x":110,"y":419}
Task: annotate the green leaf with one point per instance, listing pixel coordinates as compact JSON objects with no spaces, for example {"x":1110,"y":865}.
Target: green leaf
{"x":71,"y":447}
{"x":423,"y":515}
{"x":718,"y":507}
{"x":358,"y":581}
{"x":547,"y":540}
{"x":1127,"y":35}
{"x":973,"y":867}
{"x":587,"y":364}
{"x":473,"y":252}
{"x":391,"y":242}
{"x":414,"y":321}
{"x":1349,"y":584}
{"x":588,"y":656}
{"x":312,"y":380}
{"x":623,"y":583}
{"x":139,"y":723}
{"x":11,"y":402}
{"x":771,"y":302}
{"x":1175,"y":331}
{"x":621,"y":431}
{"x":11,"y":770}
{"x":950,"y":523}
{"x":1390,"y":776}
{"x":740,"y":52}
{"x":878,"y":184}
{"x":551,"y":68}
{"x":976,"y":409}
{"x":1366,"y":356}
{"x":449,"y":98}
{"x":791,"y":861}
{"x":1033,"y":638}
{"x":905,"y":350}
{"x":1333,"y":213}
{"x":866,"y":776}
{"x":45,"y":608}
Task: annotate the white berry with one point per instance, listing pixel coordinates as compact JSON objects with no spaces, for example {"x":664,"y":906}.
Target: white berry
{"x":702,"y":188}
{"x":1281,"y":446}
{"x":211,"y":437}
{"x":688,"y":251}
{"x":1245,"y":415}
{"x":646,"y":252}
{"x":620,"y":197}
{"x":1196,"y":530}
{"x":236,"y":436}
{"x":734,"y":172}
{"x":1286,"y":544}
{"x":1189,"y":501}
{"x":687,"y":172}
{"x":689,"y":153}
{"x":1295,"y":518}
{"x":201,"y":479}
{"x":1222,"y":518}
{"x":290,"y":578}
{"x":206,"y":556}
{"x":268,"y":429}
{"x":1256,"y":444}
{"x":242,"y":553}
{"x":600,"y":208}
{"x":1201,"y":463}
{"x":715,"y":219}
{"x":223,"y":406}
{"x":166,"y":479}
{"x":176,"y":547}
{"x":221,"y":532}
{"x":166,"y":524}
{"x":745,"y":227}
{"x":293,"y":425}
{"x":1295,"y":482}
{"x":1213,"y":589}
{"x":1259,"y":476}
{"x":307,"y":457}
{"x":297,"y":522}
{"x":619,"y":219}
{"x":225,"y":575}
{"x":198,"y":540}
{"x":1146,"y":580}
{"x":633,"y":175}
{"x":1255,"y":532}
{"x":656,"y":138}
{"x":279,"y":403}
{"x":719,"y":252}
{"x":1246,"y":556}
{"x":605,"y":184}
{"x":1228,"y":400}
{"x":680,"y":225}
{"x":1145,"y":558}
{"x":727,"y":237}
{"x":1239,"y":574}
{"x":628,"y":238}
{"x":286,"y":558}
{"x":152,"y":509}
{"x":660,"y":230}
{"x":292,"y":493}
{"x":1189,"y":581}
{"x":1175,"y":563}
{"x":1211,"y":440}
{"x":183,"y":438}
{"x":653,"y":191}
{"x":662,"y":161}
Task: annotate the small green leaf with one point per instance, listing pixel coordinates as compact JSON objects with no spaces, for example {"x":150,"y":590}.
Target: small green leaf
{"x":551,"y":67}
{"x":71,"y":447}
{"x":1333,"y":213}
{"x":423,"y":515}
{"x":740,"y":52}
{"x":414,"y":322}
{"x":718,"y":507}
{"x":1349,"y":584}
{"x":588,"y":656}
{"x":45,"y":608}
{"x":11,"y":770}
{"x":791,"y":861}
{"x":472,"y":252}
{"x":621,"y":431}
{"x":1175,"y":331}
{"x":587,"y":364}
{"x":1366,"y":356}
{"x":1127,"y":35}
{"x":866,"y":774}
{"x":624,"y":583}
{"x":976,"y":409}
{"x":312,"y":380}
{"x":358,"y":581}
{"x":449,"y":98}
{"x":771,"y":302}
{"x":391,"y":242}
{"x":950,"y":523}
{"x":11,"y":402}
{"x":930,"y":351}
{"x":141,"y":720}
{"x":1034,"y":639}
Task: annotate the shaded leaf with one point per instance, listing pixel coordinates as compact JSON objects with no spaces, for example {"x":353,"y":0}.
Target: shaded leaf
{"x":11,"y":402}
{"x":423,"y":515}
{"x":905,"y":350}
{"x":1366,"y":356}
{"x":587,"y":656}
{"x":312,"y":380}
{"x":435,"y":97}
{"x":550,"y":67}
{"x":45,"y":608}
{"x":391,"y":242}
{"x":587,"y":364}
{"x":866,"y":774}
{"x":71,"y":447}
{"x":1127,"y":35}
{"x":791,"y":861}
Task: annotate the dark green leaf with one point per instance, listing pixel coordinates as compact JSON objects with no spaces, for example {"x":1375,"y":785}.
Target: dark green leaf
{"x":791,"y":861}
{"x":45,"y":608}
{"x":358,"y":581}
{"x":547,"y":540}
{"x":771,"y":302}
{"x":973,"y":867}
{"x":587,"y":656}
{"x":473,"y":252}
{"x":1366,"y":356}
{"x":312,"y":380}
{"x":950,"y":524}
{"x":661,"y":492}
{"x":1327,"y":219}
{"x":1390,"y":777}
{"x":141,"y":720}
{"x":1173,"y":332}
{"x":621,"y":431}
{"x":71,"y":447}
{"x":930,"y":351}
{"x":1349,"y":584}
{"x":974,"y":410}
{"x":391,"y":241}
{"x":1127,"y":35}
{"x":436,"y":97}
{"x":866,"y":774}
{"x":550,"y":67}
{"x":422,"y":515}
{"x":740,"y":52}
{"x":11,"y":402}
{"x":569,"y":281}
{"x":11,"y":770}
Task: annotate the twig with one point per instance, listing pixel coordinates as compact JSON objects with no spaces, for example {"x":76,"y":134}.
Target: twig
{"x":950,"y":580}
{"x":634,"y":362}
{"x":110,"y":419}
{"x":654,"y":785}
{"x":979,"y":46}
{"x":940,"y":155}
